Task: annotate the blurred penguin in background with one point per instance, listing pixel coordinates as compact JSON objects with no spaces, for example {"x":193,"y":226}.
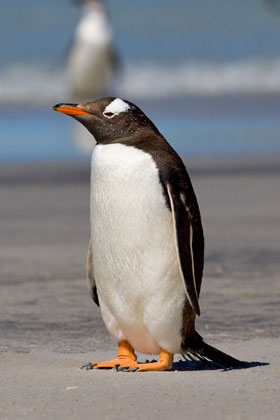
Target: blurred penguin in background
{"x":92,"y":61}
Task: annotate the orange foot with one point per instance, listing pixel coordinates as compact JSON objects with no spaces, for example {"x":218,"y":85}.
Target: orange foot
{"x":165,"y":363}
{"x":126,"y":357}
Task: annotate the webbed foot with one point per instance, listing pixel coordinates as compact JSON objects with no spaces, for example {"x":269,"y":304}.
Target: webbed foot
{"x":165,"y":363}
{"x":126,"y":357}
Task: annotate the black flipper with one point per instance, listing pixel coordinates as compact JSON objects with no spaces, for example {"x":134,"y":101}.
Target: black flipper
{"x":90,"y":276}
{"x":184,"y":238}
{"x":195,"y":347}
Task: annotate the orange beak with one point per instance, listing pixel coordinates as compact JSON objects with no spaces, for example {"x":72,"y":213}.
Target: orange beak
{"x":70,"y":109}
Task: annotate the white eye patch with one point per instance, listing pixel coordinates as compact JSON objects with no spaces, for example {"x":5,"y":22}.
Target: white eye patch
{"x":115,"y":108}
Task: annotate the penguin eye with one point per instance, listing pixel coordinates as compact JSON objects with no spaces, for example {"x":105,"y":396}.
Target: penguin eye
{"x":108,"y":114}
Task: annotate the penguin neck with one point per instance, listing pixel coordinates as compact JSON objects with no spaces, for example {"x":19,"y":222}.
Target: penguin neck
{"x":142,"y":139}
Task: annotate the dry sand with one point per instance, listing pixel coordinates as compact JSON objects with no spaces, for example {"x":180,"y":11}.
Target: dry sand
{"x":50,"y":327}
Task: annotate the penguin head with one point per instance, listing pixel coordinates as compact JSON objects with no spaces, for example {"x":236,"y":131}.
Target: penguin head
{"x":108,"y":119}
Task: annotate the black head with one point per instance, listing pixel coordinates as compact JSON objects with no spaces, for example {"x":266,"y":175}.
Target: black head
{"x":108,"y":119}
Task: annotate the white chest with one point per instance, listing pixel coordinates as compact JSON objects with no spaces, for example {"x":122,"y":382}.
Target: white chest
{"x":134,"y":256}
{"x":131,"y":226}
{"x":126,"y":195}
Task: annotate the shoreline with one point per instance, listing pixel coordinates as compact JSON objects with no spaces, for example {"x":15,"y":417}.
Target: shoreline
{"x":78,"y":171}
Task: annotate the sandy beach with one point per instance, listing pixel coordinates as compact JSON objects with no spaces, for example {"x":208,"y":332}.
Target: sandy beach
{"x":49,"y":326}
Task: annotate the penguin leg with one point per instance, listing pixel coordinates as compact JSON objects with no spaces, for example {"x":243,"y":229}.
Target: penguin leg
{"x":165,"y":363}
{"x":125,"y":357}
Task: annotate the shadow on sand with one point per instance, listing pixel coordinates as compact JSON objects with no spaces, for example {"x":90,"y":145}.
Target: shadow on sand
{"x":189,"y":365}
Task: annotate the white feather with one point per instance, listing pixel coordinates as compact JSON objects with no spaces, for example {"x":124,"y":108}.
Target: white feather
{"x":135,"y":264}
{"x":117,"y":106}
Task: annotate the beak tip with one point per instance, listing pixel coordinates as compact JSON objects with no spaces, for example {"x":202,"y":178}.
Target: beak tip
{"x":57,"y":106}
{"x":69,"y":109}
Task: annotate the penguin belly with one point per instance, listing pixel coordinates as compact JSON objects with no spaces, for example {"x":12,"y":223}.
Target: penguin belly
{"x":135,"y":265}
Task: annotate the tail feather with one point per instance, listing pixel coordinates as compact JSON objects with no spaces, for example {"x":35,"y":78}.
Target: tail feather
{"x":195,"y":348}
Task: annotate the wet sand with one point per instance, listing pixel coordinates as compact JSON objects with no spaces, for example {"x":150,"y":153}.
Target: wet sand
{"x":49,"y":327}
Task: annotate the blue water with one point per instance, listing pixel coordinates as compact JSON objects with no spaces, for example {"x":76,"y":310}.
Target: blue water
{"x":43,"y":135}
{"x":158,"y":30}
{"x":171,"y":52}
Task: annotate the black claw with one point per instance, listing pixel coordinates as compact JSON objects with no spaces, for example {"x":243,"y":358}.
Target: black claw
{"x":123,"y":369}
{"x":134,"y":369}
{"x":85,"y":366}
{"x":89,"y":366}
{"x":116,"y":367}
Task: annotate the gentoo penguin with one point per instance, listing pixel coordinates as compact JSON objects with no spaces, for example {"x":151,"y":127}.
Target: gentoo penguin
{"x":146,"y":253}
{"x":91,"y":60}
